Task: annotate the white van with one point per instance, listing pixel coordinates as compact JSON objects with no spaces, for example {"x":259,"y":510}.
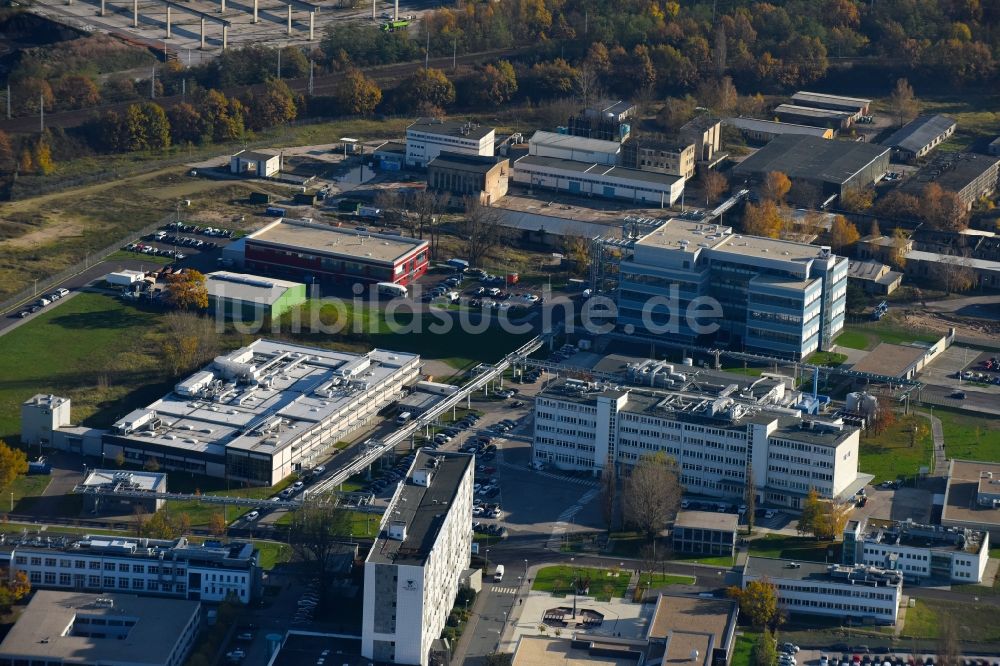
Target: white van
{"x":498,"y":575}
{"x":403,"y":418}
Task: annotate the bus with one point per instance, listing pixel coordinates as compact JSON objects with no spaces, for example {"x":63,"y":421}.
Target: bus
{"x":393,"y":26}
{"x":392,"y":289}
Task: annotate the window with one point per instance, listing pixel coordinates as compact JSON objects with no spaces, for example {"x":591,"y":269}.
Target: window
{"x":36,"y":561}
{"x":50,"y":577}
{"x":65,"y":579}
{"x":109,"y":566}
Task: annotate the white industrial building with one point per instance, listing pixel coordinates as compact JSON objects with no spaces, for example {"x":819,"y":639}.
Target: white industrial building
{"x":428,"y":137}
{"x":576,"y":148}
{"x":860,"y":594}
{"x":168,"y":568}
{"x":716,"y":438}
{"x":261,"y":412}
{"x":592,"y":179}
{"x":413,"y":570}
{"x":259,"y":163}
{"x":919,"y":552}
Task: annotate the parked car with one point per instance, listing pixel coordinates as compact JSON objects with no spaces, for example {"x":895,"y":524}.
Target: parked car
{"x":252,"y":516}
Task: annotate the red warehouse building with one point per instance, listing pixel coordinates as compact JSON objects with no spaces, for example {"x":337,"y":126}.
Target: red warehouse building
{"x":311,"y":252}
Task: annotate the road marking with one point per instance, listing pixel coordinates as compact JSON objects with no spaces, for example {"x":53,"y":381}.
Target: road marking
{"x":505,"y":590}
{"x":550,"y":475}
{"x":564,"y":519}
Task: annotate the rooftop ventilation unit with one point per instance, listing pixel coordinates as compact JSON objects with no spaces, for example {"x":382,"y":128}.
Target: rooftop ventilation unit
{"x":397,"y":530}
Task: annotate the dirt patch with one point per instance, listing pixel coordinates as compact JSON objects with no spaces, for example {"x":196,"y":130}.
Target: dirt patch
{"x":941,"y":322}
{"x":50,"y":230}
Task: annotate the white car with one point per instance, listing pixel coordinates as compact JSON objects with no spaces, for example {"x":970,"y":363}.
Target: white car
{"x":495,"y":513}
{"x":769,"y":514}
{"x":252,"y":516}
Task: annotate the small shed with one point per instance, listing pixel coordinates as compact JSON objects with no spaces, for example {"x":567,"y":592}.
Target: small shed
{"x":259,"y":163}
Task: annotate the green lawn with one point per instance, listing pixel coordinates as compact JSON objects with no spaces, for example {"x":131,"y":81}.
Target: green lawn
{"x":827,"y":358}
{"x":604,"y":583}
{"x":852,"y":339}
{"x":748,"y":371}
{"x":272,"y":553}
{"x":200,"y":512}
{"x":806,"y":549}
{"x":713,"y":560}
{"x":974,"y":622}
{"x":968,"y":437}
{"x":898,"y":451}
{"x":125,"y":255}
{"x":25,"y":488}
{"x":868,"y":336}
{"x":743,"y":650}
{"x":654,"y":579}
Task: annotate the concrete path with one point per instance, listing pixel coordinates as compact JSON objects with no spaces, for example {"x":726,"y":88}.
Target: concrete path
{"x":940,"y":465}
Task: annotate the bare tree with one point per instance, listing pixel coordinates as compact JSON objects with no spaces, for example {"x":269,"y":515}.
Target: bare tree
{"x":190,"y":340}
{"x":427,"y":206}
{"x":609,"y":493}
{"x":902,"y":102}
{"x":714,"y":184}
{"x":316,"y":534}
{"x":652,"y":493}
{"x":955,"y":274}
{"x":750,"y":498}
{"x":481,"y":230}
{"x":948,"y":648}
{"x":587,"y":84}
{"x":389,"y":202}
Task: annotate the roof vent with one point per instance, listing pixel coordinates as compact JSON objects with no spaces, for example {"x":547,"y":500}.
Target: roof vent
{"x":397,"y":530}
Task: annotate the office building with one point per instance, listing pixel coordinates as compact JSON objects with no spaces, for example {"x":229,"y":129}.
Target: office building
{"x":705,"y":132}
{"x":428,"y":137}
{"x":918,"y":137}
{"x":972,"y":497}
{"x":307,"y":252}
{"x":714,"y":437}
{"x":855,"y":594}
{"x":66,"y":628}
{"x":693,"y":630}
{"x":832,"y":168}
{"x":482,"y":178}
{"x":777,"y":297}
{"x":591,"y":179}
{"x":673,"y":159}
{"x":968,"y":175}
{"x":413,"y":569}
{"x":261,"y":412}
{"x":919,"y":552}
{"x":857,"y":106}
{"x":251,"y":297}
{"x":153,"y":567}
{"x":762,"y":131}
{"x":705,"y":533}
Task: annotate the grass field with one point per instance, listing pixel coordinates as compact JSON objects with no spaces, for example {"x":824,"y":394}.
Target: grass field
{"x":868,"y":336}
{"x":604,"y":583}
{"x":968,"y":437}
{"x":714,"y":560}
{"x":272,"y":553}
{"x":201,"y":512}
{"x":827,"y":358}
{"x":806,"y":549}
{"x":890,"y":455}
{"x":973,"y":622}
{"x":743,"y":650}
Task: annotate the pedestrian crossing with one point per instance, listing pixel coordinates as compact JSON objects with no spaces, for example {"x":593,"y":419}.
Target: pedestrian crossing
{"x":566,"y":517}
{"x":558,"y":477}
{"x":504,"y":590}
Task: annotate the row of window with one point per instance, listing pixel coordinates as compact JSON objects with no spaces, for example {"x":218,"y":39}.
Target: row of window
{"x":105,"y":582}
{"x":122,"y":567}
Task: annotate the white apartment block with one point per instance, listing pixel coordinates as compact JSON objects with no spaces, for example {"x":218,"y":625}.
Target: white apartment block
{"x":151,"y":567}
{"x":715,"y":439}
{"x":859,"y":594}
{"x":428,"y":137}
{"x":412,"y":571}
{"x":918,"y":552}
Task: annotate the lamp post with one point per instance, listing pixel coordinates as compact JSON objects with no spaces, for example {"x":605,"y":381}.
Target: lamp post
{"x":572,"y":561}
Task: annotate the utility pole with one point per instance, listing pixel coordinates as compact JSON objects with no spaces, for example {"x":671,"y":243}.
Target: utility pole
{"x":427,"y":52}
{"x":152,"y":84}
{"x":183,"y":90}
{"x":41,"y":114}
{"x":586,"y":21}
{"x":310,"y":77}
{"x":454,"y":53}
{"x":279,"y":63}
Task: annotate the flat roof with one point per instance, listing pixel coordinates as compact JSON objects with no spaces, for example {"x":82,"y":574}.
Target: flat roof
{"x":42,"y":631}
{"x":692,"y":623}
{"x":456,"y":128}
{"x":707,"y":520}
{"x":256,"y":154}
{"x":569,"y":141}
{"x":148,"y":481}
{"x":890,"y":360}
{"x":598,"y":170}
{"x":46,"y":400}
{"x":917,"y":134}
{"x":960,"y":499}
{"x":543,"y":651}
{"x":232,"y":554}
{"x":244,"y":287}
{"x":262,"y":397}
{"x":811,"y":158}
{"x":462,"y":162}
{"x":940,"y":257}
{"x":774,"y":127}
{"x":812,"y":112}
{"x":333,"y":241}
{"x":776,"y":569}
{"x":952,"y":171}
{"x":915,"y":535}
{"x":422,"y":508}
{"x":809,"y":96}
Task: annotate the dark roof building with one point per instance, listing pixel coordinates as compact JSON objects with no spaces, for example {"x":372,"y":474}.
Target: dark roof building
{"x":968,"y":175}
{"x":919,"y":137}
{"x":807,"y":115}
{"x":469,"y":175}
{"x":835,"y":167}
{"x":855,"y":105}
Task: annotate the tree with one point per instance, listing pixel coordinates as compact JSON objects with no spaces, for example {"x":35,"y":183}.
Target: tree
{"x":42,"y":157}
{"x":577,"y":251}
{"x":223,"y":117}
{"x":494,"y":85}
{"x":858,"y":199}
{"x":758,"y":601}
{"x":481,"y":230}
{"x":762,"y":219}
{"x":187,"y":291}
{"x":357,"y":94}
{"x":217,"y":524}
{"x":765,"y":650}
{"x":899,"y":249}
{"x":27,"y":93}
{"x":315,"y":535}
{"x":13,"y":589}
{"x":822,"y":518}
{"x":842,"y":233}
{"x":902,"y":102}
{"x":6,"y":153}
{"x":151,"y":464}
{"x":190,"y":341}
{"x":427,"y":87}
{"x":874,"y":231}
{"x":719,"y":95}
{"x":954,"y":274}
{"x":714,"y":184}
{"x":652,"y":493}
{"x":13,"y":463}
{"x":775,"y":186}
{"x":882,"y":419}
{"x":750,"y":499}
{"x":120,"y":458}
{"x":272,"y":107}
{"x":25,"y":164}
{"x":556,"y":78}
{"x":77,"y":92}
{"x":942,"y":209}
{"x":675,"y":112}
{"x":186,"y":123}
{"x":161,"y":525}
{"x":609,"y":493}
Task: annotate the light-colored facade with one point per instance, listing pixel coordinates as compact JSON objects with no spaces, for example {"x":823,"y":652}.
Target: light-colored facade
{"x":151,"y":567}
{"x":41,"y":416}
{"x":262,"y":164}
{"x":671,"y":159}
{"x":972,"y":496}
{"x":863,"y":595}
{"x":919,"y":552}
{"x":413,"y":570}
{"x":715,"y":441}
{"x":705,"y":132}
{"x":777,"y":297}
{"x":484,"y":178}
{"x":576,"y":148}
{"x":428,"y":137}
{"x":590,"y":179}
{"x":856,"y":106}
{"x":763,"y":131}
{"x":705,"y":533}
{"x":251,"y":297}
